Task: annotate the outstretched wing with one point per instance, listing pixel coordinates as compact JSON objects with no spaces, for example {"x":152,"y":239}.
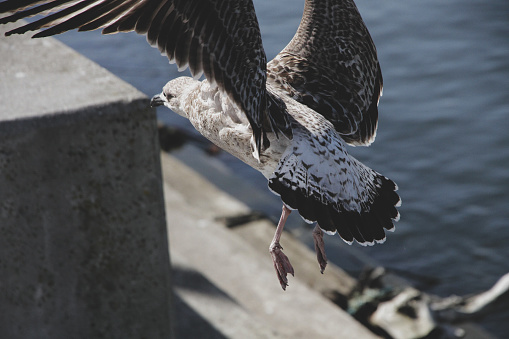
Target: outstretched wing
{"x":219,"y":38}
{"x":331,"y":66}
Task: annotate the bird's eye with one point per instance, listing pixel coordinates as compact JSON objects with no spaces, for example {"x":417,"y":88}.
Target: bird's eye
{"x":168,"y":95}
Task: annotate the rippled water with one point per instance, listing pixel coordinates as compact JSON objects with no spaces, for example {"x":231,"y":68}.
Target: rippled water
{"x":443,"y":133}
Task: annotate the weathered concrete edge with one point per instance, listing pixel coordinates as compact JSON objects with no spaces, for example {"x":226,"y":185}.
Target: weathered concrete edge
{"x":68,"y":117}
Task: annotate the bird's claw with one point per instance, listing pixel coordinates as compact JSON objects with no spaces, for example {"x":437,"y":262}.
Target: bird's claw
{"x":281,"y":264}
{"x":320,"y":248}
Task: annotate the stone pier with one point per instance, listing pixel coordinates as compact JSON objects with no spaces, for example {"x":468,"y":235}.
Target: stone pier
{"x":83,"y":242}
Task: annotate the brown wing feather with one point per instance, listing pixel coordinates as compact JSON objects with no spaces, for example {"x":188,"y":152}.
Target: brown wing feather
{"x":331,"y":65}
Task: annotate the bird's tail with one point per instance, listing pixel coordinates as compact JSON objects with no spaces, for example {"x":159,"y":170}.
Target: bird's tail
{"x":325,"y":184}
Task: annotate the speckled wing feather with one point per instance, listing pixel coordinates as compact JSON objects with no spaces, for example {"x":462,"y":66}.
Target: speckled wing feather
{"x":317,"y":177}
{"x":331,"y":66}
{"x":219,"y":38}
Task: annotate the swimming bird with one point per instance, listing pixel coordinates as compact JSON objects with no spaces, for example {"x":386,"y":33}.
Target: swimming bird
{"x":290,"y":118}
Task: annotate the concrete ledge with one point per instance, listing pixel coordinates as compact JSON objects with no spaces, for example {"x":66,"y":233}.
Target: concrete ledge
{"x":248,"y":301}
{"x":43,"y":77}
{"x":83,"y":246}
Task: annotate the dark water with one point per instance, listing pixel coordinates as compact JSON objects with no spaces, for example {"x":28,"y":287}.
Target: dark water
{"x":443,"y":133}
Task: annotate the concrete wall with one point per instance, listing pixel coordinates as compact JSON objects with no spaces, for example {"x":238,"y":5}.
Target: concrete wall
{"x":83,"y":243}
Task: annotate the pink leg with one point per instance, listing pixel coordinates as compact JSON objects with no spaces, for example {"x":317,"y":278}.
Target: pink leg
{"x":319,"y":248}
{"x":280,"y":260}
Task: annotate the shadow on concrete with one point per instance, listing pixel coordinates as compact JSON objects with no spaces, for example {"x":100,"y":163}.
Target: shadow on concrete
{"x":188,"y":323}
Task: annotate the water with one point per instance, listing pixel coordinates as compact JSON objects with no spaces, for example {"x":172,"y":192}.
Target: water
{"x":443,"y":132}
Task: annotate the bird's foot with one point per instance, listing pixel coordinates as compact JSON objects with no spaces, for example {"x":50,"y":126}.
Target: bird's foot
{"x":319,"y":248}
{"x":281,"y":263}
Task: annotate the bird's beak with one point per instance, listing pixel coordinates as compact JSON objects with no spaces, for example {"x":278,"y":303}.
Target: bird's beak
{"x":157,"y":100}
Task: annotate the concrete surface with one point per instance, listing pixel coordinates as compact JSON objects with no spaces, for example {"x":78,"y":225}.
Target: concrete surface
{"x":83,"y":245}
{"x":247,"y":301}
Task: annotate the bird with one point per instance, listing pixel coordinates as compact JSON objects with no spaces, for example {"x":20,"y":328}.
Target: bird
{"x":290,"y":118}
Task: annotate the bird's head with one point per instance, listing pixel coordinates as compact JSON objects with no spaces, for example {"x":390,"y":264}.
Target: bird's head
{"x":172,"y":94}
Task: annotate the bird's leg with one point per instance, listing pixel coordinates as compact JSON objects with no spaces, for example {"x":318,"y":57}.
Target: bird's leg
{"x":280,"y":260}
{"x":319,"y":248}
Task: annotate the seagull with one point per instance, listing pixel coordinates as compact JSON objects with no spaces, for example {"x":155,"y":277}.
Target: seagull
{"x":290,"y":118}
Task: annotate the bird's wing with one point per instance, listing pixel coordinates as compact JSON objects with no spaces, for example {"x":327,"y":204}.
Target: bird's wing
{"x":218,"y":38}
{"x":317,"y":177}
{"x":331,"y":65}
